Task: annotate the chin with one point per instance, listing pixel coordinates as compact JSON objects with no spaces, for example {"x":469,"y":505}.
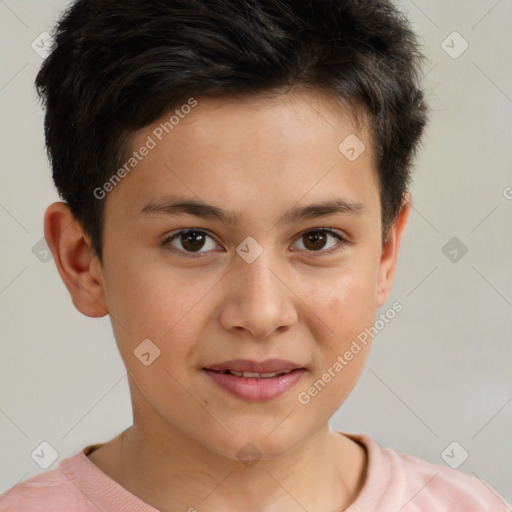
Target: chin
{"x":256,"y":444}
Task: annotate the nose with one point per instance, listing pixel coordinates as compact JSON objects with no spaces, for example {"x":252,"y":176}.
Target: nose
{"x":258,"y":300}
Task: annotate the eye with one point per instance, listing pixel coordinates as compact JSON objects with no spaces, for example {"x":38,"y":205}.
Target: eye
{"x":316,"y":240}
{"x":194,"y":243}
{"x":190,"y":241}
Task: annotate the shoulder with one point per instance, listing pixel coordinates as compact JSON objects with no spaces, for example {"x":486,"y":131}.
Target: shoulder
{"x":51,"y":490}
{"x":413,"y":484}
{"x":444,"y":488}
{"x":439,"y":483}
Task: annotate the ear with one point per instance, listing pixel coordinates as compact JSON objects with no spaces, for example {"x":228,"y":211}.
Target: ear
{"x":76,"y":261}
{"x":390,"y":249}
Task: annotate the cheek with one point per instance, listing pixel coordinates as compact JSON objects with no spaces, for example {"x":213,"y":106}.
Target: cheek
{"x":159,"y":307}
{"x":345,"y":301}
{"x":157,"y":300}
{"x":167,"y":310}
{"x":346,"y":305}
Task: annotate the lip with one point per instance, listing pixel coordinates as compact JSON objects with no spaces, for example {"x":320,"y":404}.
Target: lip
{"x":255,"y":389}
{"x":248,"y":365}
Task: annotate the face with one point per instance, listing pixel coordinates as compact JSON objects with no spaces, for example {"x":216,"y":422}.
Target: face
{"x":245,"y":233}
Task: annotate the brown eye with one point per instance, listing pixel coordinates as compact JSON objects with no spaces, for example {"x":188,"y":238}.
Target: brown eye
{"x":319,"y":239}
{"x":315,"y":240}
{"x":193,"y":240}
{"x":190,"y":241}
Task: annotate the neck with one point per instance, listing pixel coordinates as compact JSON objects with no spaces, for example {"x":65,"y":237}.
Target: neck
{"x":325,"y":472}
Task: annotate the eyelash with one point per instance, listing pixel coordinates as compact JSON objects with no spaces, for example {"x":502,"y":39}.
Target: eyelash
{"x":170,"y":238}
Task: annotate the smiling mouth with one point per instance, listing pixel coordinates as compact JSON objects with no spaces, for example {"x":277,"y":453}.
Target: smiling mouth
{"x":252,"y":375}
{"x":255,"y":386}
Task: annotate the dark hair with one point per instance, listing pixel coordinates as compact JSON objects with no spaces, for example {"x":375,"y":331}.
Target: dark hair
{"x":119,"y":65}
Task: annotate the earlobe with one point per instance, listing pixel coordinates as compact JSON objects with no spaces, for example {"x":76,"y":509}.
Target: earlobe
{"x":75,"y":259}
{"x":390,"y":251}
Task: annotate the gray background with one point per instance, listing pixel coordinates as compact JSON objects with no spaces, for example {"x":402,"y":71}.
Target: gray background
{"x":439,"y":372}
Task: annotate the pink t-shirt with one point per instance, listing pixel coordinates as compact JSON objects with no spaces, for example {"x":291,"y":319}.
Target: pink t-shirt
{"x":394,"y":482}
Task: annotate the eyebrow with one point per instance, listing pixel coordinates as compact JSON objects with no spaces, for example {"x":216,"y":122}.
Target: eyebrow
{"x":182,"y":205}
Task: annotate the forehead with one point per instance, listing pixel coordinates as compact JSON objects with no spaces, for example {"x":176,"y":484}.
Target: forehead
{"x":233,"y":123}
{"x":252,"y":152}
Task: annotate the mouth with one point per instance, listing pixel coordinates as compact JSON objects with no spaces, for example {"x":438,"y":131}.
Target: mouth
{"x":253,"y":381}
{"x":248,"y":366}
{"x":253,"y":375}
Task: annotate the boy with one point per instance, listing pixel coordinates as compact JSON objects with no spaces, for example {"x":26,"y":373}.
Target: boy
{"x":277,"y":137}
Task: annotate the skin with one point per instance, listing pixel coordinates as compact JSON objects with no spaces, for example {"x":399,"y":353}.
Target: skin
{"x":258,"y":157}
